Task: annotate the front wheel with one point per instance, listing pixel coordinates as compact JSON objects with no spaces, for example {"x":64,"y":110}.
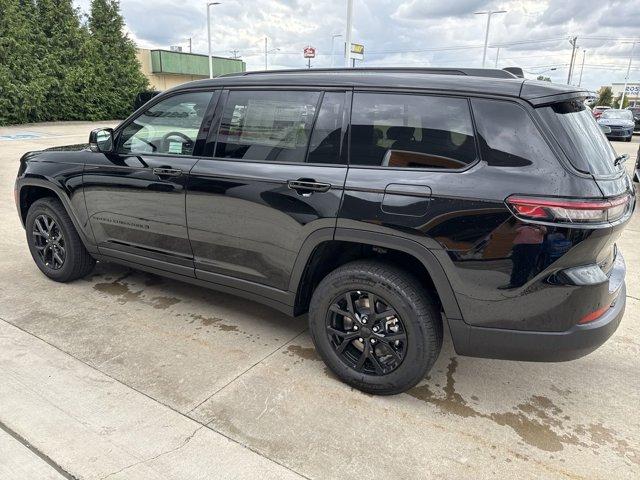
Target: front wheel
{"x":375,"y":327}
{"x":54,"y":242}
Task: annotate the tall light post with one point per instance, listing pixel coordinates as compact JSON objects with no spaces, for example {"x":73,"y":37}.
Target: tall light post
{"x":626,"y":78}
{"x":209,"y":5}
{"x":267,"y":52}
{"x":347,"y":37}
{"x":584,"y":54}
{"x":488,"y":13}
{"x":333,"y":48}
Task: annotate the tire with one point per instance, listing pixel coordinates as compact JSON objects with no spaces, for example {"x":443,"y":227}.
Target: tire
{"x":393,"y":290}
{"x":628,"y":139}
{"x":77,"y":262}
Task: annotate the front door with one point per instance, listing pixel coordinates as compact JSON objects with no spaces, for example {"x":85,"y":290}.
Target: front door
{"x":276,"y":176}
{"x":136,"y":196}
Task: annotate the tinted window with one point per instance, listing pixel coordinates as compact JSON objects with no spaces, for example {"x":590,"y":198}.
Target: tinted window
{"x":507,"y":135}
{"x":411,"y":131}
{"x":327,"y":132}
{"x":270,"y":126}
{"x":580,"y":137}
{"x":170,"y":126}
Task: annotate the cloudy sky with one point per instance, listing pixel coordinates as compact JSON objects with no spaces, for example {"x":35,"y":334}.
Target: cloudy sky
{"x":534,"y":34}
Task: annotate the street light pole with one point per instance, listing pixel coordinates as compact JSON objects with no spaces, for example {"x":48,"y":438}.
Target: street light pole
{"x":486,"y":34}
{"x":333,"y":48}
{"x":209,"y":5}
{"x":266,"y":42}
{"x":347,"y":38}
{"x":626,"y":78}
{"x":584,"y":53}
{"x":574,"y":45}
{"x":497,"y":56}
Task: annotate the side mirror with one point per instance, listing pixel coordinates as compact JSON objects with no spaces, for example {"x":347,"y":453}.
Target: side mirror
{"x":101,"y":140}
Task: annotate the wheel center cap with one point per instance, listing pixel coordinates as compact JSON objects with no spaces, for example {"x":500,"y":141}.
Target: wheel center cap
{"x":365,"y":331}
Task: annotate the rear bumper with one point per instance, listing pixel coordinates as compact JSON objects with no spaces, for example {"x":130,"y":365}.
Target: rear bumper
{"x":533,"y":346}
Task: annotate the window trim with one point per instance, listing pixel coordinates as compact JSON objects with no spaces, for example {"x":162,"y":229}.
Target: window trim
{"x":225,"y":92}
{"x":425,"y":93}
{"x":215,"y":96}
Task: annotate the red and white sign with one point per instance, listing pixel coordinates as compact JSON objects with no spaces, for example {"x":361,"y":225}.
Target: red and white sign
{"x":309,"y":52}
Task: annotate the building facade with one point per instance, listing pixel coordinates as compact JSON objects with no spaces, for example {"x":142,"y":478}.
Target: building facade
{"x":165,"y":69}
{"x":632,"y":92}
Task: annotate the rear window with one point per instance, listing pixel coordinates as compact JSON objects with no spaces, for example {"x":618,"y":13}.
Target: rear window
{"x":580,"y":137}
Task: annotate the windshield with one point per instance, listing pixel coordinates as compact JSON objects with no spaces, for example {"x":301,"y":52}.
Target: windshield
{"x":580,"y":137}
{"x":626,"y":114}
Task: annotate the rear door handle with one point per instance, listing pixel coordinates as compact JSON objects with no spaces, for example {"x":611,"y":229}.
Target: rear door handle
{"x":306,"y":186}
{"x":167,"y":172}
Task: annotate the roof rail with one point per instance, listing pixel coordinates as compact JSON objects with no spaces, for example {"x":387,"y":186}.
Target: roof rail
{"x":474,"y":72}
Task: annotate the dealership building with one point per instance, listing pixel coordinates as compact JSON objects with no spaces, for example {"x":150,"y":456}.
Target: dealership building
{"x":166,"y":69}
{"x":632,"y":92}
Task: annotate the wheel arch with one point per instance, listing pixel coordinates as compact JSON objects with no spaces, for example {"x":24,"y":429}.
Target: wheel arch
{"x":29,"y":190}
{"x":344,"y":242}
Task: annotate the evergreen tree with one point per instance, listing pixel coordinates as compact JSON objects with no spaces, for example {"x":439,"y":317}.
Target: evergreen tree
{"x":61,"y":59}
{"x":22,"y":88}
{"x":115,"y":77}
{"x":605,"y":95}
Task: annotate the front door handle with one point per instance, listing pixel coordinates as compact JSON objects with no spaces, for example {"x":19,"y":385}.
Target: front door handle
{"x":306,"y":186}
{"x":167,"y":172}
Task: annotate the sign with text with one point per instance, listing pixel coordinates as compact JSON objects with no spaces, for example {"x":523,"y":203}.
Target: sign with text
{"x":309,"y":52}
{"x":357,"y":51}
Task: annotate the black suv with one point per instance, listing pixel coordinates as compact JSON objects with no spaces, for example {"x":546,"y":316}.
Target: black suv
{"x":388,"y":204}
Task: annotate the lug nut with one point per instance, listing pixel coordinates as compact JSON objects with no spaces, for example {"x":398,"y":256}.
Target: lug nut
{"x":360,"y":339}
{"x":375,"y":329}
{"x":364,"y":319}
{"x":373,"y":340}
{"x":397,"y":343}
{"x":355,"y":327}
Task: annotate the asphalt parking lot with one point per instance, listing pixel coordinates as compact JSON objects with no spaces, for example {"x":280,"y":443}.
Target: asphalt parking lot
{"x":128,"y":375}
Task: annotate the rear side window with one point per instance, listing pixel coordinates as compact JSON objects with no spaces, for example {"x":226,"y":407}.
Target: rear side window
{"x":580,"y":137}
{"x":411,"y":131}
{"x":270,"y":126}
{"x":507,"y":135}
{"x":327,"y":132}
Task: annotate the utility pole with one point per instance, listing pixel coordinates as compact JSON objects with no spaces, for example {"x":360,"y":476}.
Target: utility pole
{"x":235,"y":54}
{"x":347,"y":37}
{"x":266,"y":42}
{"x":497,"y":56}
{"x":189,"y":44}
{"x":584,"y":53}
{"x":574,"y":45}
{"x":486,"y":33}
{"x":626,"y":78}
{"x":209,"y":5}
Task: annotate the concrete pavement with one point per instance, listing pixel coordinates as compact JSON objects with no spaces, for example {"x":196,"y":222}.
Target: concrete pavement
{"x":128,"y":375}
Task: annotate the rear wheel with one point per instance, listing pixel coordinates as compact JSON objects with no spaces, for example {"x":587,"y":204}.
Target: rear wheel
{"x":375,"y":327}
{"x":54,"y":242}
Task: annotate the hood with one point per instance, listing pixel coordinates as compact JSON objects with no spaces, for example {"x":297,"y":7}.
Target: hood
{"x":625,"y":122}
{"x":68,"y":148}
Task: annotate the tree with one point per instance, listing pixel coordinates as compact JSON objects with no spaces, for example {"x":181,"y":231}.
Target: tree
{"x":605,"y":95}
{"x":616,"y":102}
{"x":543,"y":78}
{"x":22,"y":89}
{"x":61,"y":59}
{"x":114,"y":77}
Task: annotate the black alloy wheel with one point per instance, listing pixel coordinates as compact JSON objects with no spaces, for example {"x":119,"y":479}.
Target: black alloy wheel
{"x":366,"y":333}
{"x":49,"y":242}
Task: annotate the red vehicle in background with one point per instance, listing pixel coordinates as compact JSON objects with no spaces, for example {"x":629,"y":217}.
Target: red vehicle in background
{"x":597,"y":111}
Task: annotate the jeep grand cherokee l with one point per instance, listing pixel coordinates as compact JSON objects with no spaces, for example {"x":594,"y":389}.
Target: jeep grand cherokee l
{"x":388,"y":204}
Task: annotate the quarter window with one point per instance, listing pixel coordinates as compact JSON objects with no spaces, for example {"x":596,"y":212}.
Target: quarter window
{"x":270,"y":126}
{"x":411,"y":131}
{"x":327,"y":132}
{"x":169,"y":127}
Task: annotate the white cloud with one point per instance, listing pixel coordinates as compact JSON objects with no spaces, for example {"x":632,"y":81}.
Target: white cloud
{"x":402,"y":33}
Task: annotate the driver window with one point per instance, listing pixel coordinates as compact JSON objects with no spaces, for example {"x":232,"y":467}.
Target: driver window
{"x":169,"y":127}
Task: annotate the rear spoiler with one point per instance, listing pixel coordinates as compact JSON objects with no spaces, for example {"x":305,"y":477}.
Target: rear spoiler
{"x":540,"y":94}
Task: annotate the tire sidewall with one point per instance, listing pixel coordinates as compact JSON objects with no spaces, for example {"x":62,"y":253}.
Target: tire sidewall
{"x":416,"y":361}
{"x":40,"y":208}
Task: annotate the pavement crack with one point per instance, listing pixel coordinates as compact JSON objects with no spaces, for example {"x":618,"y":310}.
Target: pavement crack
{"x":155,"y":457}
{"x":245,"y":372}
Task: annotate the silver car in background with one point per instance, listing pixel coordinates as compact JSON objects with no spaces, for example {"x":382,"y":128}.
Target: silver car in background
{"x":620,"y":123}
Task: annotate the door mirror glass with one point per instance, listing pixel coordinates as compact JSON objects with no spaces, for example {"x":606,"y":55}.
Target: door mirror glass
{"x":101,"y":140}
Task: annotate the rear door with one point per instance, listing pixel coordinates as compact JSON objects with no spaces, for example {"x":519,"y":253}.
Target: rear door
{"x":276,"y":176}
{"x":136,"y":195}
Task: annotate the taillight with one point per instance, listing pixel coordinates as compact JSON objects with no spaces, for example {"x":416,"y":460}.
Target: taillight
{"x":593,"y":316}
{"x":560,"y":210}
